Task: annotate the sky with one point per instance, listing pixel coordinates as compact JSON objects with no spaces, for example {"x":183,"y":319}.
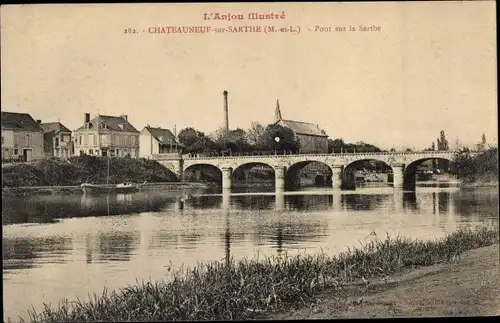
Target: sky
{"x":431,"y":67}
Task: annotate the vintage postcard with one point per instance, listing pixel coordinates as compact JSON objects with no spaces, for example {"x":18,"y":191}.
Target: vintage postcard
{"x":228,"y":161}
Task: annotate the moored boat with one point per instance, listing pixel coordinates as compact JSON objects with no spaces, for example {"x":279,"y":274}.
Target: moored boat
{"x":122,"y":188}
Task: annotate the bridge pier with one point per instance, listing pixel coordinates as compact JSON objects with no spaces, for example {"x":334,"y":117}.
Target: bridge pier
{"x":279,"y":174}
{"x":398,"y":171}
{"x":226,"y":179}
{"x":280,"y":201}
{"x":336,"y":176}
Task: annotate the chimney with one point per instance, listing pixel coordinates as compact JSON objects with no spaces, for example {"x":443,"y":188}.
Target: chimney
{"x":87,"y":118}
{"x":226,"y":113}
{"x":124,"y":116}
{"x":39,"y":121}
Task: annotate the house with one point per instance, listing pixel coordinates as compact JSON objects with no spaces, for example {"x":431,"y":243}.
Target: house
{"x":311,"y":138}
{"x":106,"y":136}
{"x":22,"y":137}
{"x":57,"y":140}
{"x":153,"y":141}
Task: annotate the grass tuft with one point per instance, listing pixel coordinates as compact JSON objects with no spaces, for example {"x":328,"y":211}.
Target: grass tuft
{"x":239,"y":290}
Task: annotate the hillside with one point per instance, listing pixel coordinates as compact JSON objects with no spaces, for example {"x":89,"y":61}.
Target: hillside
{"x":85,"y":169}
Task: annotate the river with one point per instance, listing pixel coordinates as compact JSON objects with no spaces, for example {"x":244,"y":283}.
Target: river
{"x":73,"y":246}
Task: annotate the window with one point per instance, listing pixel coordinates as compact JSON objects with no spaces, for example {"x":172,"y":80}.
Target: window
{"x":118,"y":152}
{"x":57,"y":142}
{"x":91,"y":152}
{"x":132,"y":140}
{"x":27,"y":140}
{"x":82,"y":152}
{"x":80,"y":140}
{"x":15,"y":151}
{"x":91,"y":140}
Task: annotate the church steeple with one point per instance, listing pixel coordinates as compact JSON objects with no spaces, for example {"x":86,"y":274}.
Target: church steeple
{"x":277,"y":112}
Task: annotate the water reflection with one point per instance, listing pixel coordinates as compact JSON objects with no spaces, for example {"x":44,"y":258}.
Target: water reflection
{"x":21,"y":252}
{"x":115,"y":240}
{"x":360,"y":202}
{"x":116,"y":246}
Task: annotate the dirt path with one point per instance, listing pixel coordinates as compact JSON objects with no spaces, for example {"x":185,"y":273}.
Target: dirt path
{"x":469,"y":286}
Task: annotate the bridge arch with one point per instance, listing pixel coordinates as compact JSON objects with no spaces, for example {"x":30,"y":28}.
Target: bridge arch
{"x":314,"y":172}
{"x":371,"y":169}
{"x":411,"y":169}
{"x":202,"y":172}
{"x":254,"y":171}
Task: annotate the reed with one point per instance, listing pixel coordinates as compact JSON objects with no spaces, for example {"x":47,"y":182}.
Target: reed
{"x":234,"y":290}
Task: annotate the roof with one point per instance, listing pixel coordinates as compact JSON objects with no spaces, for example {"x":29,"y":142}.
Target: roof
{"x":56,"y":127}
{"x":113,"y":123}
{"x":303,"y":128}
{"x":164,"y":136}
{"x":19,"y":121}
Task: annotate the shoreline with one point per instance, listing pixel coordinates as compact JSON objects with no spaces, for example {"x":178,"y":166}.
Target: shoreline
{"x":66,"y":190}
{"x":467,"y":286}
{"x":308,"y":286}
{"x":478,"y":185}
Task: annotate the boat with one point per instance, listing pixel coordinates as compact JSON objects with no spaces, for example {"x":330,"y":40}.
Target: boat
{"x":96,"y":189}
{"x":122,"y":188}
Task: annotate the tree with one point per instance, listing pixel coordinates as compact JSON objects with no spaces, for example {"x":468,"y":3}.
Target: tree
{"x":482,"y":145}
{"x":287,"y":141}
{"x":442,"y":143}
{"x":335,"y":145}
{"x":195,"y":141}
{"x":234,"y":140}
{"x":254,"y":133}
{"x":189,"y":136}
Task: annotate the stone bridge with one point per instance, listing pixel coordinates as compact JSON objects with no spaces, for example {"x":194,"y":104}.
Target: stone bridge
{"x":404,"y":164}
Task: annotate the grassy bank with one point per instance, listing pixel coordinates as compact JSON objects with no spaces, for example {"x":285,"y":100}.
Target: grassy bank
{"x":249,"y":288}
{"x":84,"y":169}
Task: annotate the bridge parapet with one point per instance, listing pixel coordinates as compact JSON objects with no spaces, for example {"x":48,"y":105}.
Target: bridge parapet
{"x":283,"y":156}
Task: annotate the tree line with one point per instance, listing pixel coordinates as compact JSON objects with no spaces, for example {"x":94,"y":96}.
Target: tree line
{"x":257,"y":138}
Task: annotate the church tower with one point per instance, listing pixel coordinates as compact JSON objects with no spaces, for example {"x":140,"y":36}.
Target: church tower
{"x":277,"y":112}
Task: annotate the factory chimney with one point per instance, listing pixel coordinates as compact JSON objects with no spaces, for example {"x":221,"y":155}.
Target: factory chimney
{"x":226,"y":113}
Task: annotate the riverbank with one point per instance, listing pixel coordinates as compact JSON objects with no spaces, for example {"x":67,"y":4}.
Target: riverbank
{"x":65,"y":190}
{"x":255,"y":289}
{"x":85,"y":169}
{"x":479,"y":184}
{"x":469,"y":286}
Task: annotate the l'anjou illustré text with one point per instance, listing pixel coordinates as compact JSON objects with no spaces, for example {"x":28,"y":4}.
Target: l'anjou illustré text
{"x":239,"y":16}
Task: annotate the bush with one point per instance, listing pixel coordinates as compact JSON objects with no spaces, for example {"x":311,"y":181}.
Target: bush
{"x":482,"y":167}
{"x":85,"y":169}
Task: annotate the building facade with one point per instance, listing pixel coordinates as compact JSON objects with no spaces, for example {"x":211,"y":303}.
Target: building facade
{"x":311,"y":138}
{"x":57,"y":140}
{"x":155,"y":141}
{"x":22,"y":137}
{"x":107,"y":136}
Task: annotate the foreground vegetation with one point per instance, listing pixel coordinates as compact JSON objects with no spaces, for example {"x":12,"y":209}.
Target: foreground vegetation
{"x":245,"y":289}
{"x":84,"y":169}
